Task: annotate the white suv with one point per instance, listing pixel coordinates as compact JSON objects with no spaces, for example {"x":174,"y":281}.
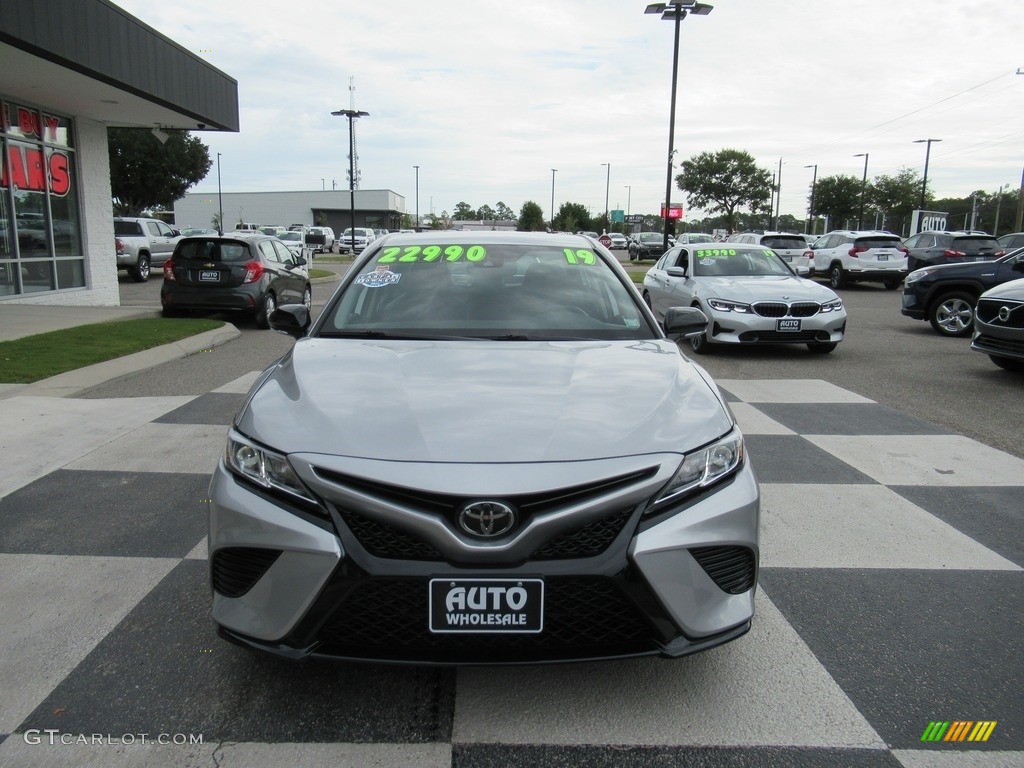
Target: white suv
{"x":364,"y":236}
{"x":792,"y":249}
{"x":848,"y":256}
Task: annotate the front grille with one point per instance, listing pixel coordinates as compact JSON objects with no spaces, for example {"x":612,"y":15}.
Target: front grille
{"x":235,"y":570}
{"x":381,"y":540}
{"x":781,"y":337}
{"x":781,"y":309}
{"x":590,"y":540}
{"x":733,"y":569}
{"x":584,"y":617}
{"x":988,"y":312}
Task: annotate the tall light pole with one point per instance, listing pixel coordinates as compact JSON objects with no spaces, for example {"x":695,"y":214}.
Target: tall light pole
{"x":810,"y":211}
{"x":924,"y":181}
{"x":607,"y":184}
{"x":629,"y":197}
{"x":351,"y":114}
{"x":863,"y":189}
{"x":417,"y":226}
{"x":553,"y":197}
{"x":220,"y":200}
{"x":778,"y":194}
{"x":674,"y":11}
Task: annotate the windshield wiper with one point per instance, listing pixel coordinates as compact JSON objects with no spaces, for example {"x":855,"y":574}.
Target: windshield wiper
{"x":397,"y":335}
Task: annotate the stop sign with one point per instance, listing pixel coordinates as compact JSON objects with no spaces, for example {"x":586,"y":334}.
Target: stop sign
{"x":605,"y":241}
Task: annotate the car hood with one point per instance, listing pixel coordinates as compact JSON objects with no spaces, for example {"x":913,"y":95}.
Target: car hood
{"x":482,"y":401}
{"x":1012,"y":291}
{"x":765,"y":288}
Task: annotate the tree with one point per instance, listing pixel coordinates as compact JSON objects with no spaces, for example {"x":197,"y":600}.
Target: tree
{"x":485,"y":213}
{"x":837,"y":197}
{"x":896,"y":196}
{"x":463,"y":212}
{"x":503,"y":213}
{"x":531,"y":217}
{"x":146,"y":174}
{"x":723,"y":181}
{"x":571,"y":217}
{"x":215,"y":221}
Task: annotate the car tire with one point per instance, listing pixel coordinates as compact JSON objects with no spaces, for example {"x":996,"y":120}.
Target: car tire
{"x":837,"y":276}
{"x":1007,"y":363}
{"x":265,"y":311}
{"x":647,"y":300}
{"x":822,"y":348}
{"x":140,"y":272}
{"x":952,"y":314}
{"x":307,"y":298}
{"x":700,"y":344}
{"x":892,"y":285}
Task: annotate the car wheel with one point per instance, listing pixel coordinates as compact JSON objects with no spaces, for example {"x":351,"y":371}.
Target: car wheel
{"x":263,"y":315}
{"x":892,"y":285}
{"x":700,"y":344}
{"x":307,"y":297}
{"x":170,"y":312}
{"x":647,"y":300}
{"x":822,"y":348}
{"x":952,"y":314}
{"x":1007,"y":363}
{"x":140,"y":272}
{"x":837,"y":276}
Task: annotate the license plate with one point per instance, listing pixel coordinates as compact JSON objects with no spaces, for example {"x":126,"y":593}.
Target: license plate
{"x":883,"y":257}
{"x":787,"y":258}
{"x":787,"y":325}
{"x":209,"y":276}
{"x":486,"y":605}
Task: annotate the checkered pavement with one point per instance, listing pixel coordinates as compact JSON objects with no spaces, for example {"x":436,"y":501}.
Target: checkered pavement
{"x":890,"y":597}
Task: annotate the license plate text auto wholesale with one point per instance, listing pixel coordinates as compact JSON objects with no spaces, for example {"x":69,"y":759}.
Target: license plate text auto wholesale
{"x":486,"y":605}
{"x":209,"y":276}
{"x":786,"y":324}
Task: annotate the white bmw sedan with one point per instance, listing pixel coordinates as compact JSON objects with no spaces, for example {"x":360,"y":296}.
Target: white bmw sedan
{"x":750,"y":295}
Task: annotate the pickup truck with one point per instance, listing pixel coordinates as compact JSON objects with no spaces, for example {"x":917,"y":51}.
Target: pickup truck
{"x":142,"y":244}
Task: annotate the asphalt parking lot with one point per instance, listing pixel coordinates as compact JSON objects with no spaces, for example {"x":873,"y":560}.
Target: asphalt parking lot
{"x":890,"y":593}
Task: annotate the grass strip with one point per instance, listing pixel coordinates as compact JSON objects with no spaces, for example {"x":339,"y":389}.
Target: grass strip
{"x":29,"y":359}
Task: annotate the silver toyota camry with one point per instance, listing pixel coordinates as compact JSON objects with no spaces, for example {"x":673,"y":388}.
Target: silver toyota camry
{"x":484,"y":450}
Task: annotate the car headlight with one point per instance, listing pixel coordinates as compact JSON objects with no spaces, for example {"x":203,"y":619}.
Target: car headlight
{"x":728,"y":306}
{"x":263,"y":467}
{"x":832,"y":306}
{"x":917,"y":274}
{"x":705,"y":467}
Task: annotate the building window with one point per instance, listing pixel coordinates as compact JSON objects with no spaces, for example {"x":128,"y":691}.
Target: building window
{"x":40,"y":221}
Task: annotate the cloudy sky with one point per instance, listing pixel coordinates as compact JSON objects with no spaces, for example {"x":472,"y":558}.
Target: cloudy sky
{"x":488,"y":97}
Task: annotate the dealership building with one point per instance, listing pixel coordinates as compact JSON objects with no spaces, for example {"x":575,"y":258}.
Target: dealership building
{"x":70,"y":70}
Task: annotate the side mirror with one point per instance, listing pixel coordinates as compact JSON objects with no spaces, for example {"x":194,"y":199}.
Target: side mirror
{"x":175,"y":233}
{"x":685,"y":322}
{"x":802,"y":271}
{"x":676,"y":271}
{"x":292,"y":319}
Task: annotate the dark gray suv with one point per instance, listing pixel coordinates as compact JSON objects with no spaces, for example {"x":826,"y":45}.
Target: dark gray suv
{"x":929,"y":249}
{"x":253,"y":274}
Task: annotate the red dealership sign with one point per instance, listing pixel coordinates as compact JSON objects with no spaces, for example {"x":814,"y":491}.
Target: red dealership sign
{"x":674,"y":211}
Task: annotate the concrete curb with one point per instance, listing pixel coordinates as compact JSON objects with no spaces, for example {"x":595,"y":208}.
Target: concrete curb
{"x":71,"y":383}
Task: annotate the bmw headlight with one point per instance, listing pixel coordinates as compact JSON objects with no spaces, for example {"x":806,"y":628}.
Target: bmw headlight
{"x":728,"y":306}
{"x":832,"y":306}
{"x":263,"y":467}
{"x":705,"y":467}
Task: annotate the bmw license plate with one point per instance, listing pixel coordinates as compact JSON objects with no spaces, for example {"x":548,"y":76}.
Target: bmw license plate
{"x":787,"y":324}
{"x":209,"y":276}
{"x":487,"y":605}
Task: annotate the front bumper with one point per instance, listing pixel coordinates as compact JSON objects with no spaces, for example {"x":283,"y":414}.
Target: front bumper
{"x":735,"y":328}
{"x":350,"y":583}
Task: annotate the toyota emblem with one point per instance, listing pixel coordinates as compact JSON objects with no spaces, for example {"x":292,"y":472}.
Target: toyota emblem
{"x":487,"y":518}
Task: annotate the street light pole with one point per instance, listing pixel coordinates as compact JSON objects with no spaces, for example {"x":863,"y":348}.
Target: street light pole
{"x":863,"y":189}
{"x":607,"y":183}
{"x":220,"y":200}
{"x":778,"y":194}
{"x":629,"y":197}
{"x":417,"y":225}
{"x":553,"y":197}
{"x":674,"y":11}
{"x":924,"y":181}
{"x":351,"y":114}
{"x":814,"y":181}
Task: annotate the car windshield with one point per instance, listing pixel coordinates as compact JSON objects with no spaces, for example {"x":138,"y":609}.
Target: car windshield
{"x":737,"y":262}
{"x":295,"y":237}
{"x":784,"y":241}
{"x":445,"y":287}
{"x":877,"y":242}
{"x":212,"y":250}
{"x":651,"y":237}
